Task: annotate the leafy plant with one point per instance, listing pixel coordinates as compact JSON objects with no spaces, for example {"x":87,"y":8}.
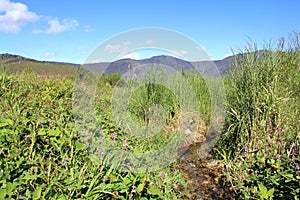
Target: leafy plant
{"x":42,"y":156}
{"x":264,"y":193}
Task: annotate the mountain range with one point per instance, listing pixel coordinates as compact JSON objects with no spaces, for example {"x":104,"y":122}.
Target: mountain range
{"x":16,"y":63}
{"x":124,"y":65}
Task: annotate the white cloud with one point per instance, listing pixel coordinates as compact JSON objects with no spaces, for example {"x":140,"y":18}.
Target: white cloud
{"x":117,"y":48}
{"x":227,"y":55}
{"x":57,"y":27}
{"x":48,"y":55}
{"x":132,"y":55}
{"x":13,"y":16}
{"x":88,"y":28}
{"x":180,"y":52}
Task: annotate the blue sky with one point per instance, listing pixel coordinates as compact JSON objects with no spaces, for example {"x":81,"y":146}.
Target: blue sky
{"x":70,"y":30}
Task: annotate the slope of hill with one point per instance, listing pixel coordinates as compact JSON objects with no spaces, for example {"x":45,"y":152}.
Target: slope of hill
{"x":14,"y":64}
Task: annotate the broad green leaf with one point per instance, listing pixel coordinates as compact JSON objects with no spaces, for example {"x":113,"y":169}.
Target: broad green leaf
{"x":113,"y":178}
{"x":28,"y":193}
{"x":140,"y":188}
{"x":271,"y":192}
{"x":10,"y":187}
{"x":37,"y":193}
{"x":127,"y":180}
{"x":6,"y":122}
{"x":41,"y":132}
{"x":153,"y":190}
{"x":62,"y":197}
{"x":54,"y":132}
{"x":79,"y":145}
{"x":2,"y":193}
{"x":262,"y":188}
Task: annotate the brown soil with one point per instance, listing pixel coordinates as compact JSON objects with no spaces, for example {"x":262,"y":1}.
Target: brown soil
{"x":203,"y":177}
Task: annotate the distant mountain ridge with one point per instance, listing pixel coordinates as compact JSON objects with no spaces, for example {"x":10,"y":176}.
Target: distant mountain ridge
{"x":119,"y":66}
{"x":211,"y":67}
{"x":122,"y":66}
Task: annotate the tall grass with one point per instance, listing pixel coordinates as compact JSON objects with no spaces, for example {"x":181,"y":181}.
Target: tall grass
{"x":42,"y":156}
{"x":170,"y":98}
{"x":157,"y":104}
{"x":260,"y":144}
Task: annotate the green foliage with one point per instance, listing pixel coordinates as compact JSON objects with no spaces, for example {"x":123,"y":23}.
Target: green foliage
{"x":199,"y":85}
{"x":46,"y":69}
{"x":264,"y":193}
{"x":113,"y":79}
{"x":260,"y":144}
{"x":41,"y":156}
{"x":170,"y":99}
{"x":152,"y":94}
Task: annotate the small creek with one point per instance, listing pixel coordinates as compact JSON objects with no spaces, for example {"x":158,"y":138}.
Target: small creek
{"x":202,"y":176}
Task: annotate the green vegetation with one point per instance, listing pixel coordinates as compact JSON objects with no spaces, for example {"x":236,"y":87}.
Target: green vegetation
{"x":42,"y":155}
{"x":49,"y":69}
{"x":260,"y":145}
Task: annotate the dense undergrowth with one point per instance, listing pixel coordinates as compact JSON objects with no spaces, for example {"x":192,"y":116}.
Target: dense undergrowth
{"x":260,"y":145}
{"x":43,"y":157}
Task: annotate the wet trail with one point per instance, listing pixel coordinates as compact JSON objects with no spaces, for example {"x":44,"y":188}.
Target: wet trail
{"x":203,"y":177}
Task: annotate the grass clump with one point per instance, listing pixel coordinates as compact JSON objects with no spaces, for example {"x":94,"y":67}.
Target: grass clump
{"x":260,"y":144}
